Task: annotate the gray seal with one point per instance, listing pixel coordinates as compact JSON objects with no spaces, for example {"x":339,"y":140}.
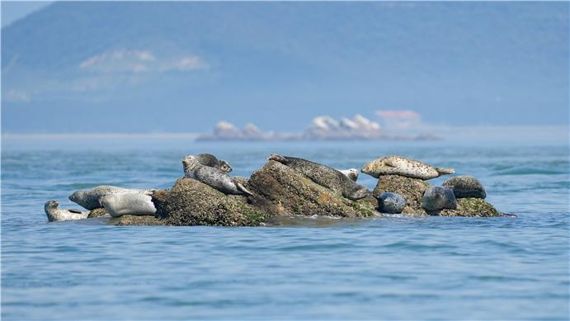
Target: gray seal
{"x":466,"y":186}
{"x":391,"y":203}
{"x":90,"y":198}
{"x":398,"y":165}
{"x":118,"y":204}
{"x":54,"y":213}
{"x":351,"y":173}
{"x":213,"y":177}
{"x":437,"y":198}
{"x":325,"y":176}
{"x":212,"y":161}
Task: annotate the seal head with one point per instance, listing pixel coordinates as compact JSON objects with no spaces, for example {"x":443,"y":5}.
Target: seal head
{"x":54,"y":213}
{"x":437,"y":198}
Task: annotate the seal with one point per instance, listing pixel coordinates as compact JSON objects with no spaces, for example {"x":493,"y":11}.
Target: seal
{"x":325,"y":176}
{"x":213,"y":177}
{"x":437,"y":198}
{"x":391,"y":203}
{"x":90,"y":198}
{"x":130,"y":203}
{"x":466,"y":186}
{"x":54,"y":213}
{"x":398,"y":165}
{"x":212,"y":161}
{"x":351,"y":173}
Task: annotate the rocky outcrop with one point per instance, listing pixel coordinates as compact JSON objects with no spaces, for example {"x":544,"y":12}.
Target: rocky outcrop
{"x":98,"y":212}
{"x":283,"y":191}
{"x":412,"y":189}
{"x":473,"y":207}
{"x":136,"y":220}
{"x":191,"y":202}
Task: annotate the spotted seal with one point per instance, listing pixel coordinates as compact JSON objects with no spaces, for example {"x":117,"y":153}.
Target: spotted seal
{"x":391,"y":203}
{"x":437,"y":198}
{"x":118,"y":204}
{"x":212,"y":176}
{"x":398,"y":165}
{"x":212,"y":161}
{"x":325,"y":176}
{"x":351,"y":173}
{"x":466,"y":186}
{"x":90,"y":198}
{"x":54,"y":213}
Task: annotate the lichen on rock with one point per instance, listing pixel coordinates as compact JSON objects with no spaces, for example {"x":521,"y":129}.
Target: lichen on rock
{"x":475,"y":207}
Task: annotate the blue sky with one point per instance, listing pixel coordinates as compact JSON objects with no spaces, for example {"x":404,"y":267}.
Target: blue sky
{"x":181,"y":67}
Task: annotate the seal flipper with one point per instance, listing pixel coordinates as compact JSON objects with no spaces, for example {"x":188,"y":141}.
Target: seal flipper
{"x":445,"y":171}
{"x":278,"y":158}
{"x":242,"y":188}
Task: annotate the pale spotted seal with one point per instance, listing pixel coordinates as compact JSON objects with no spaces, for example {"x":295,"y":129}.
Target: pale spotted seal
{"x":437,"y":198}
{"x":54,"y":213}
{"x":351,"y":173}
{"x":398,"y":165}
{"x":466,"y":186}
{"x":90,"y":198}
{"x":325,"y":176}
{"x":212,"y":176}
{"x":118,"y":204}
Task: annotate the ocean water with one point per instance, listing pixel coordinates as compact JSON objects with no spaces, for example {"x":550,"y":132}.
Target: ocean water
{"x":380,"y":268}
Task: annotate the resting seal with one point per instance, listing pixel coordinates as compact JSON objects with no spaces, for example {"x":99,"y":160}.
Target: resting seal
{"x":118,"y":204}
{"x":351,"y":173}
{"x":90,"y":198}
{"x":212,"y":176}
{"x":212,"y":161}
{"x":466,"y":186}
{"x":391,"y":203}
{"x":57,"y":214}
{"x":398,"y":165}
{"x":325,"y":176}
{"x":437,"y":198}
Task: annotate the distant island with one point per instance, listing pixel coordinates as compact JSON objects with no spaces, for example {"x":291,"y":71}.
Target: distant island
{"x":321,"y":128}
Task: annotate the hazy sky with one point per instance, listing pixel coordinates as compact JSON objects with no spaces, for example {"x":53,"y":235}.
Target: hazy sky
{"x":14,"y":10}
{"x":184,"y":66}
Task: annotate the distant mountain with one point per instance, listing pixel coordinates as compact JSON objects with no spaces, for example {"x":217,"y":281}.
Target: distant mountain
{"x":182,"y":66}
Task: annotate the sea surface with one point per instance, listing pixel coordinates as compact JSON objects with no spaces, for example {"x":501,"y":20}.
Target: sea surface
{"x":317,"y":268}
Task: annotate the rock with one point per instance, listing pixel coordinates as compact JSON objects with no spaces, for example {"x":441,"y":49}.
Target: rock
{"x":437,"y":198}
{"x":411,"y":189}
{"x":472,"y":207}
{"x":391,"y":203}
{"x":98,"y":212}
{"x":284,"y":191}
{"x":466,"y":186}
{"x":191,"y":202}
{"x":136,"y":220}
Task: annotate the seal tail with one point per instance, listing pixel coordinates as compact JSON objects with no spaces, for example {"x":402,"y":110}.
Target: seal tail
{"x":277,"y":158}
{"x":445,"y":171}
{"x":242,"y":188}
